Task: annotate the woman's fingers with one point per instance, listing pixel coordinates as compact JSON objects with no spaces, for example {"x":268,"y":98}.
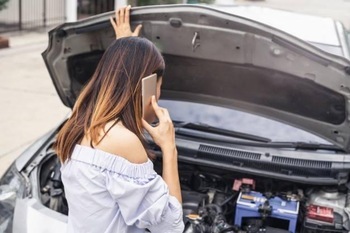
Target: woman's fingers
{"x":121,"y":15}
{"x":116,"y":17}
{"x":114,"y":25}
{"x":121,"y":24}
{"x":147,"y":126}
{"x":162,"y":113}
{"x":127,"y":15}
{"x":137,"y":30}
{"x":167,"y":115}
{"x":156,"y":108}
{"x":162,"y":134}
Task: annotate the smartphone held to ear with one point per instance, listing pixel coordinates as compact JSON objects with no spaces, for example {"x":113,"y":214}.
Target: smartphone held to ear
{"x":149,"y":88}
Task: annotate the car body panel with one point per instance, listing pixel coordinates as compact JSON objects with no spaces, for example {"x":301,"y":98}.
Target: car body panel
{"x":35,"y":148}
{"x":313,"y":87}
{"x":32,"y":217}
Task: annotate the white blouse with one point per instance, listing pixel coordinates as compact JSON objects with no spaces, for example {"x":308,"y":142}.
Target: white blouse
{"x":106,"y":193}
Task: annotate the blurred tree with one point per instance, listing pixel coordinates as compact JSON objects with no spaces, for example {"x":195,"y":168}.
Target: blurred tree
{"x":3,"y":4}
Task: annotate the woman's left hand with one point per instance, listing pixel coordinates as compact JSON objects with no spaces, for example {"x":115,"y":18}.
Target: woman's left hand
{"x":121,"y":24}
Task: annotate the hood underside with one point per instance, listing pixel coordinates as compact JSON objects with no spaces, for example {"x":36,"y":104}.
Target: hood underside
{"x":217,"y":58}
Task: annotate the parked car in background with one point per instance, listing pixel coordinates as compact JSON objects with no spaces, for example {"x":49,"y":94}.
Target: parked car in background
{"x":323,"y":32}
{"x":261,"y":117}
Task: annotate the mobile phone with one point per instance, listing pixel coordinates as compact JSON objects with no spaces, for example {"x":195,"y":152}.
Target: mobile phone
{"x":149,"y":88}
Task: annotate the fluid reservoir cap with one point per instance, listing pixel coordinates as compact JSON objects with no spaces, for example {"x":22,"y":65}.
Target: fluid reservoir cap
{"x":193,"y":216}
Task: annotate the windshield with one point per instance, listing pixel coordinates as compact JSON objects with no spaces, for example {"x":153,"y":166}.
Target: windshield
{"x":230,"y":119}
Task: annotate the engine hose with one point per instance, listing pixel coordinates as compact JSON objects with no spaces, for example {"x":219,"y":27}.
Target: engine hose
{"x":228,"y":229}
{"x":216,"y":207}
{"x":227,"y":200}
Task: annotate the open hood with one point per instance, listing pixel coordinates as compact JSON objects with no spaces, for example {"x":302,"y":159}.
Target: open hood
{"x":221,"y":59}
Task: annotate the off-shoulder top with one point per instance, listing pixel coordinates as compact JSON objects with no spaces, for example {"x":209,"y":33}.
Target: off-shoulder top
{"x":106,"y":193}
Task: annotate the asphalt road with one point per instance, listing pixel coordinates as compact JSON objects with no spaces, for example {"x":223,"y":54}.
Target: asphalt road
{"x":29,"y":103}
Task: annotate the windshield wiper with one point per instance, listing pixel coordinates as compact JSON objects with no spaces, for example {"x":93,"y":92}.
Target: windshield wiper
{"x":196,"y":130}
{"x":307,"y":146}
{"x":215,"y":130}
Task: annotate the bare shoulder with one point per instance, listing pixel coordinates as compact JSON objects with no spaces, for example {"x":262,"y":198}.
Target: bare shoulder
{"x":122,"y":142}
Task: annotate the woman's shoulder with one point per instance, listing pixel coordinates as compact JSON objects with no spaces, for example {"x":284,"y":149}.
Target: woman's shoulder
{"x":122,"y":142}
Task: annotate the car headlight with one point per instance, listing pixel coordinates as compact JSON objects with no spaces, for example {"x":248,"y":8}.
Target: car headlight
{"x":12,"y":186}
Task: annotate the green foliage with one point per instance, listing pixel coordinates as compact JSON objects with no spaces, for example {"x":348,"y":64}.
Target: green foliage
{"x":3,"y":4}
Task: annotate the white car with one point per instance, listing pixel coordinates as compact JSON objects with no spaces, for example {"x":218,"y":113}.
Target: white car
{"x":262,"y":123}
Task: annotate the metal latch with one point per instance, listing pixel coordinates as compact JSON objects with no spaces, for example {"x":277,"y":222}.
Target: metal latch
{"x":195,"y":41}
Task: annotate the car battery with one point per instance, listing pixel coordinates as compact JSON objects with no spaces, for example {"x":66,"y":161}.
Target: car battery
{"x":249,"y":205}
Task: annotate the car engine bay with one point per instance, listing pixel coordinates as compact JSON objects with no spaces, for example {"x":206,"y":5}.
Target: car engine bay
{"x":216,"y":200}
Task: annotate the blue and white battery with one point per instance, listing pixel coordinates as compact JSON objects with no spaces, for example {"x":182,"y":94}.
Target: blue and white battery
{"x":248,"y":207}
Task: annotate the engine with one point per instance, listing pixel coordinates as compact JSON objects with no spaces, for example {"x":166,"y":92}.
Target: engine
{"x":217,"y":204}
{"x":218,"y":201}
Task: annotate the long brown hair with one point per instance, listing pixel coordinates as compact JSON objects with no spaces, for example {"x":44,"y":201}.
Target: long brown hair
{"x":113,"y":92}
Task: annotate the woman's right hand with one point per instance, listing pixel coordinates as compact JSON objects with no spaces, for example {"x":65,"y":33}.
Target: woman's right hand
{"x":163,"y":134}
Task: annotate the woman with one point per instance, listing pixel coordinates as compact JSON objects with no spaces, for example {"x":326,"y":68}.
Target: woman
{"x":109,"y":180}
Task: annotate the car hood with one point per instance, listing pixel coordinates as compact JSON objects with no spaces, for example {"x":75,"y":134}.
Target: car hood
{"x":217,"y":58}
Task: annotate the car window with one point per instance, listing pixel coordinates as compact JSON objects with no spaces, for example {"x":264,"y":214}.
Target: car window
{"x":237,"y":120}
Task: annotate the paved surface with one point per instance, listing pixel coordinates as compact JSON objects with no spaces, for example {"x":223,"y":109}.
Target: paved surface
{"x":29,"y":103}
